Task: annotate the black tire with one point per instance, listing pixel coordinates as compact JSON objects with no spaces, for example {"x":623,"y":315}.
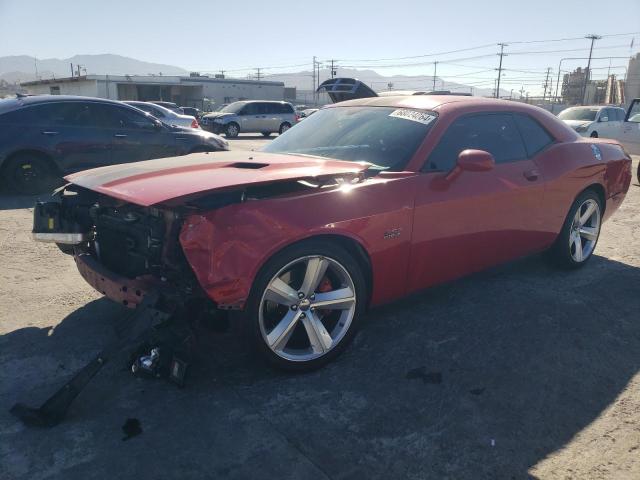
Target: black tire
{"x":266,"y":134}
{"x":561,"y":251}
{"x":29,"y":174}
{"x":594,"y":135}
{"x":264,"y":277}
{"x":284,"y":127}
{"x":232,"y":130}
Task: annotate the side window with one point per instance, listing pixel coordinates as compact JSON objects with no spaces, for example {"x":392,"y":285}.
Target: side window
{"x":269,"y":108}
{"x":66,"y":114}
{"x":156,"y":112}
{"x":619,"y":114}
{"x":494,"y":132}
{"x":605,"y":113}
{"x":250,"y":109}
{"x":120,"y":117}
{"x":535,"y":137}
{"x":24,"y":116}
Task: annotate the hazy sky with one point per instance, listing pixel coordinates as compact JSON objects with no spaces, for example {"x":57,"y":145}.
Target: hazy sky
{"x":210,"y":35}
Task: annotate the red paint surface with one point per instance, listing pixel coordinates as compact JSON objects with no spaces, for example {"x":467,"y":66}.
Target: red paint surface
{"x":448,"y":228}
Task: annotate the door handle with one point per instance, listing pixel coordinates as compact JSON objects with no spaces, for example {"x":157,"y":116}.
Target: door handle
{"x":120,"y":135}
{"x":532,"y":175}
{"x":49,"y":132}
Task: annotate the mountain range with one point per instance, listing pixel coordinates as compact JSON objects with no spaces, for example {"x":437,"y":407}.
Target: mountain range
{"x":22,"y":68}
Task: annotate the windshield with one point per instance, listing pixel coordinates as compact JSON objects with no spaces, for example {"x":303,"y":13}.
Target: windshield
{"x":384,"y":136}
{"x":586,"y":114}
{"x":233,"y":108}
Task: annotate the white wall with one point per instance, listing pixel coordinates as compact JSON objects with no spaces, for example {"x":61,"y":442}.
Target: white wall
{"x":88,"y":88}
{"x":217,"y":92}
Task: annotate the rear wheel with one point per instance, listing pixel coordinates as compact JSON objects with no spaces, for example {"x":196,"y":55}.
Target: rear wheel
{"x":594,"y":134}
{"x":305,"y":305}
{"x":29,"y":174}
{"x":232,"y":130}
{"x":284,"y":127}
{"x":266,"y":134}
{"x":580,"y":232}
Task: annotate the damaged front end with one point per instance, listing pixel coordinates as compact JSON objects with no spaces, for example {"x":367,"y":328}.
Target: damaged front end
{"x":123,"y":250}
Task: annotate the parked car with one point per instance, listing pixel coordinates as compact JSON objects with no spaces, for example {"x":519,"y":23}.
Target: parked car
{"x":166,"y":116}
{"x":630,"y":138}
{"x":45,"y":137}
{"x":170,"y":105}
{"x":364,"y":202}
{"x":307,"y":112}
{"x":595,"y":121}
{"x":252,"y":116}
{"x":194,"y":112}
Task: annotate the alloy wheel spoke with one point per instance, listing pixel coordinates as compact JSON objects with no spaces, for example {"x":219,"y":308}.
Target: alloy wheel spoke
{"x":577,"y":240}
{"x":319,"y":338}
{"x":590,"y":233}
{"x":316,"y":268}
{"x":340,"y":299}
{"x":281,"y":333}
{"x":279,"y":292}
{"x":584,"y":218}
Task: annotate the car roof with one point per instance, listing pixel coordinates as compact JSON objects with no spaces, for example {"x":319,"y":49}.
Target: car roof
{"x":421,"y":102}
{"x":10,"y":104}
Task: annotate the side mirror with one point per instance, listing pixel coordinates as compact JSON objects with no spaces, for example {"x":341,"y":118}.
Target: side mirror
{"x":471,"y":160}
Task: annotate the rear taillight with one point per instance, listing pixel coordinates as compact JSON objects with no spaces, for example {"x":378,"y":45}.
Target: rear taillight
{"x":195,"y":124}
{"x":297,"y":117}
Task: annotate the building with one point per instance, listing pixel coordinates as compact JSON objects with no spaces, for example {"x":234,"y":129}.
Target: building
{"x":632,"y":84}
{"x":572,"y":84}
{"x":194,"y":90}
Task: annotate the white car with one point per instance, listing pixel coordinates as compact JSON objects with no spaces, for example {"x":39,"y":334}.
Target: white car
{"x":166,"y":116}
{"x":595,"y":121}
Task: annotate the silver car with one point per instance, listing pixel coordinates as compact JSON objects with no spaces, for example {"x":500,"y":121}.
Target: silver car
{"x":166,"y":116}
{"x":252,"y":116}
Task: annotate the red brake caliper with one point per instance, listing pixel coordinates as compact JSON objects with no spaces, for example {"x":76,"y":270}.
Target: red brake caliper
{"x":325,"y":286}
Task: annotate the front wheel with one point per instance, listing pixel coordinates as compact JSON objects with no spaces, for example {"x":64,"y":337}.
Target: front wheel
{"x":232,"y":130}
{"x":594,"y":134}
{"x":29,"y":174}
{"x":305,"y":305}
{"x":580,"y":232}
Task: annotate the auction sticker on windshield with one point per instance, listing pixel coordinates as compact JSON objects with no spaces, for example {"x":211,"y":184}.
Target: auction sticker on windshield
{"x":413,"y":115}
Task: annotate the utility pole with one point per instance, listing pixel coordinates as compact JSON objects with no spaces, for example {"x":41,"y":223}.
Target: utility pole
{"x":313,"y":75}
{"x":593,"y":38}
{"x":78,"y":68}
{"x":35,"y":62}
{"x":221,"y":73}
{"x":333,"y":69}
{"x":546,"y":85}
{"x":502,"y":54}
{"x":435,"y":71}
{"x":258,"y":74}
{"x":71,"y":69}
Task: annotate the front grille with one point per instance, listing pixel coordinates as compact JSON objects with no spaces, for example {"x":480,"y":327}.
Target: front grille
{"x":129,"y":240}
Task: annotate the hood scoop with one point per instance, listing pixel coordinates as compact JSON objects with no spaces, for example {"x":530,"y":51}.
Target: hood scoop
{"x":248,"y":165}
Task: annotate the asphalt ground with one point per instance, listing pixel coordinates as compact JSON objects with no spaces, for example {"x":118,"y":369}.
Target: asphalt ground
{"x":518,"y":372}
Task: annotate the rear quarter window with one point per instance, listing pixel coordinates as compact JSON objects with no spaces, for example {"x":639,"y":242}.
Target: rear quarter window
{"x":534,"y":135}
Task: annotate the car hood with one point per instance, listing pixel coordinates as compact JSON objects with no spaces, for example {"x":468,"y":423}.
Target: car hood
{"x":157,"y":181}
{"x":577,"y":123}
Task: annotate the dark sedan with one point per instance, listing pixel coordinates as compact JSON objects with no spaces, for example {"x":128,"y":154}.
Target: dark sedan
{"x":45,"y":137}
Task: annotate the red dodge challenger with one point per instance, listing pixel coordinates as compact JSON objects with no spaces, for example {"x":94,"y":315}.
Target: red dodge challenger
{"x":364,"y":202}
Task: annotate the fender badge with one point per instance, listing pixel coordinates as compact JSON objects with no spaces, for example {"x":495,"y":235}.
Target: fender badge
{"x":596,"y":152}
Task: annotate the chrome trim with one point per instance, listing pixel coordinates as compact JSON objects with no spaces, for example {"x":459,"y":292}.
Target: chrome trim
{"x":59,"y":237}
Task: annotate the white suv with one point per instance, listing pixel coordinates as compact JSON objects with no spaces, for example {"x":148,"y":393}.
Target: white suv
{"x":253,"y":116}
